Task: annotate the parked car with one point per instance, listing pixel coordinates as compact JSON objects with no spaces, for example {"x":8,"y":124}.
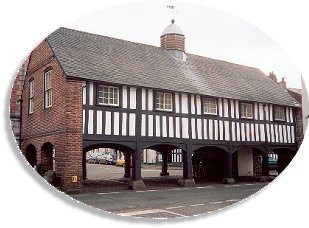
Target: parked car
{"x":120,"y":162}
{"x":100,"y":159}
{"x":110,"y":160}
{"x":91,"y":159}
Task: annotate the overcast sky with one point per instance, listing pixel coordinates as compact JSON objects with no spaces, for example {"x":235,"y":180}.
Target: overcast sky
{"x":209,"y":32}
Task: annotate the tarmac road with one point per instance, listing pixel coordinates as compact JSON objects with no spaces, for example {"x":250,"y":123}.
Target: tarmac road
{"x":170,"y":203}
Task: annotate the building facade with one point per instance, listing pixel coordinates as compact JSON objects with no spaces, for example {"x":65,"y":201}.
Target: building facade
{"x":84,"y":91}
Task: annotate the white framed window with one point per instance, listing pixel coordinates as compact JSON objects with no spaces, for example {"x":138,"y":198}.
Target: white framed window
{"x":31,"y":96}
{"x":48,"y":89}
{"x":279,"y":113}
{"x":246,"y":110}
{"x":164,"y":101}
{"x":210,"y":106}
{"x":108,"y":95}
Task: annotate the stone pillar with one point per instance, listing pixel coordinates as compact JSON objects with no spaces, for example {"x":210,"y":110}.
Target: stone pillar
{"x":187,"y":180}
{"x":228,"y":169}
{"x":127,"y":165}
{"x":164,"y":164}
{"x":265,"y":165}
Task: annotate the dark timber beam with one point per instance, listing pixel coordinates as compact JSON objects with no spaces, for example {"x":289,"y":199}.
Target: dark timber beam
{"x":228,"y":169}
{"x":164,"y":163}
{"x":265,"y":165}
{"x":137,"y":182}
{"x":127,"y":165}
{"x":187,"y":180}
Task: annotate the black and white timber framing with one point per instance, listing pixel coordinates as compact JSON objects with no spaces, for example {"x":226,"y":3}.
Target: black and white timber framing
{"x":185,"y":123}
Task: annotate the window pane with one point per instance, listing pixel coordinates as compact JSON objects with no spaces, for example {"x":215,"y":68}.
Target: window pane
{"x":210,"y":106}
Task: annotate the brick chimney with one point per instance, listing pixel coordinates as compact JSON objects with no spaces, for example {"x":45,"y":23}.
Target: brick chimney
{"x":282,"y":84}
{"x":273,"y":76}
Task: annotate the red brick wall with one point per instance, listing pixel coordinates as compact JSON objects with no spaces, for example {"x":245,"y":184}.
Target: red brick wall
{"x":61,"y":124}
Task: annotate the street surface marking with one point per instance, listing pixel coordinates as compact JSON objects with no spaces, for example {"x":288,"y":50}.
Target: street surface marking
{"x":196,"y":205}
{"x":145,"y":212}
{"x":232,"y":200}
{"x":177,"y":214}
{"x":169,"y":208}
{"x":232,"y":185}
{"x":151,"y":190}
{"x":206,"y":187}
{"x":105,"y":193}
{"x":177,"y":189}
{"x":216,"y":202}
{"x":140,"y":191}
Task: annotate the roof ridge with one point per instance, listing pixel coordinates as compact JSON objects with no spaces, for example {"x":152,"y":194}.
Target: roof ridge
{"x":225,"y":61}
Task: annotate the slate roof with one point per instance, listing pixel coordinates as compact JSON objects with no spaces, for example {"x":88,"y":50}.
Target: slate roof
{"x":95,"y":57}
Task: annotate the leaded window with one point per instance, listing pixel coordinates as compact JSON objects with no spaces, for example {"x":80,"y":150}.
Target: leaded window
{"x":164,"y":101}
{"x":108,"y":95}
{"x":210,"y":106}
{"x":279,"y":113}
{"x":246,"y":110}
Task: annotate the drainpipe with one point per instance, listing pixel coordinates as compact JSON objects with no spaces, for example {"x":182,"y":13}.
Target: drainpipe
{"x":20,"y":119}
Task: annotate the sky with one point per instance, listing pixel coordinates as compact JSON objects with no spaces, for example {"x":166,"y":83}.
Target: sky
{"x":209,"y":32}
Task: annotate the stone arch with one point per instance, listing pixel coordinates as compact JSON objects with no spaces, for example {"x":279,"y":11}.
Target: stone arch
{"x":47,"y":157}
{"x":31,"y":154}
{"x":209,"y":163}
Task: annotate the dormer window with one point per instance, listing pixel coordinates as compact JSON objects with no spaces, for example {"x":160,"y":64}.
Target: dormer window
{"x":108,"y":95}
{"x":164,"y":101}
{"x":279,"y":113}
{"x":246,"y":110}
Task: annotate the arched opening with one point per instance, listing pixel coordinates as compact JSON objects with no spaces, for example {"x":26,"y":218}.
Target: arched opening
{"x":31,"y":155}
{"x":47,"y":158}
{"x":250,"y":163}
{"x":285,"y":156}
{"x":209,"y":163}
{"x":166,"y":164}
{"x":107,"y":164}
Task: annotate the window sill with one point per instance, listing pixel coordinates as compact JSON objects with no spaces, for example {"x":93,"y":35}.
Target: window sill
{"x":279,"y":120}
{"x":163,"y":110}
{"x":246,"y":118}
{"x":210,"y":114}
{"x":108,"y":105}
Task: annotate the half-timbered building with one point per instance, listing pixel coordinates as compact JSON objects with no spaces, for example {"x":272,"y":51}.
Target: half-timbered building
{"x":85,"y":91}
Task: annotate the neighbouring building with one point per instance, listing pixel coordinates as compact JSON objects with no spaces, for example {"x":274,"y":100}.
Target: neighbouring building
{"x":297,"y":94}
{"x":16,"y":100}
{"x":85,"y":91}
